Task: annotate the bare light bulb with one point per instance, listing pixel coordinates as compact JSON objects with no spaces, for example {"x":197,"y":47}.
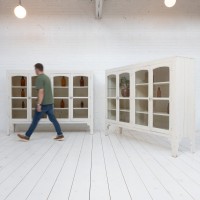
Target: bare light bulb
{"x":20,"y":11}
{"x":170,"y":3}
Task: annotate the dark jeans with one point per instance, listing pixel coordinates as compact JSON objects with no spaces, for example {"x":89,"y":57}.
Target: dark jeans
{"x":48,"y":109}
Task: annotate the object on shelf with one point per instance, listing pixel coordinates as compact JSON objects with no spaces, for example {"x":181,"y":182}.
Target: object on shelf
{"x":62,"y":104}
{"x":82,"y":104}
{"x":23,"y":104}
{"x":22,"y":93}
{"x":23,"y":81}
{"x":159,"y":92}
{"x":63,"y":82}
{"x":125,"y":92}
{"x":82,"y":81}
{"x":168,"y":108}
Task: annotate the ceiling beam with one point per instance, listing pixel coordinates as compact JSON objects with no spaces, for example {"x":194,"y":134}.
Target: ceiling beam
{"x":99,"y":8}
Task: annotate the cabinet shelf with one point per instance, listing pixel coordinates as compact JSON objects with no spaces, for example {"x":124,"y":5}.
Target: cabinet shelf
{"x":161,"y":83}
{"x":141,"y":98}
{"x":61,"y":108}
{"x":19,"y":98}
{"x":124,"y":110}
{"x":160,"y":98}
{"x":142,"y":112}
{"x":61,"y":87}
{"x":141,"y":84}
{"x":19,"y":87}
{"x":80,"y":87}
{"x":19,"y":108}
{"x":111,"y":109}
{"x":161,"y":114}
{"x":80,"y":108}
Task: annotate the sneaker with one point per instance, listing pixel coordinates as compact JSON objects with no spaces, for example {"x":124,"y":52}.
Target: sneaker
{"x":59,"y":138}
{"x":23,"y":137}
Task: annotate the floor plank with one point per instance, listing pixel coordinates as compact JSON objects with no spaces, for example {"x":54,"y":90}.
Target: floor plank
{"x":99,"y":180}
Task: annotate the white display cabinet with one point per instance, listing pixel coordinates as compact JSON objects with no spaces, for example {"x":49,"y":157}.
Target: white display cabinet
{"x":156,"y":97}
{"x":73,"y":98}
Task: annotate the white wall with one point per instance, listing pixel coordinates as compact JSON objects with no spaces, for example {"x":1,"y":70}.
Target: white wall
{"x":64,"y":34}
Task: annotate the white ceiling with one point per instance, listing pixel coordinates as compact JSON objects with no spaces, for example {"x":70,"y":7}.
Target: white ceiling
{"x":118,"y":8}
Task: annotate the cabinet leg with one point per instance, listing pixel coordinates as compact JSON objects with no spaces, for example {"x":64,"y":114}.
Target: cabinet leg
{"x":175,"y":147}
{"x":91,"y":128}
{"x":11,"y":129}
{"x":107,"y":129}
{"x":120,"y":130}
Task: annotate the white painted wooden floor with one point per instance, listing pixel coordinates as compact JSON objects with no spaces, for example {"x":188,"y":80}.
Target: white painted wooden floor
{"x":84,"y":167}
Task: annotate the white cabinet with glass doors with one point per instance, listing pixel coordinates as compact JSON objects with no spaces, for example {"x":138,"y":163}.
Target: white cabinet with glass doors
{"x":155,"y":97}
{"x":73,"y":98}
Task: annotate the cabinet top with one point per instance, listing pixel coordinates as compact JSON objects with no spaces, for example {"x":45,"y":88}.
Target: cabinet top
{"x":52,"y":72}
{"x":165,"y":61}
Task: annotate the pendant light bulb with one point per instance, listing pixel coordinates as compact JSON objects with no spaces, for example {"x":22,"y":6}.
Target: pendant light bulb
{"x":170,"y":3}
{"x":20,"y":11}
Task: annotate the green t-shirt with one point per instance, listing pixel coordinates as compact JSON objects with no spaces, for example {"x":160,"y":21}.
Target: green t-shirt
{"x":43,"y":82}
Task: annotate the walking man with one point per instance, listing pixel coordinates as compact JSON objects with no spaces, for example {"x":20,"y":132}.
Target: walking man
{"x":44,"y":104}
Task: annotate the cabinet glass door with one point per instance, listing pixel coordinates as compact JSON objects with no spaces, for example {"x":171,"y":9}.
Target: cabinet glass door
{"x":61,"y":96}
{"x":124,"y":97}
{"x":80,"y":97}
{"x":142,"y":97}
{"x":34,"y":96}
{"x":111,"y":97}
{"x":161,"y":87}
{"x":19,"y":100}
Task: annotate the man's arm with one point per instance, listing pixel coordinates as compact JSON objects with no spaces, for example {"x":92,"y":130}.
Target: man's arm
{"x":40,"y":99}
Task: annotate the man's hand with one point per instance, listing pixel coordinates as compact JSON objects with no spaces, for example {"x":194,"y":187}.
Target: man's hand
{"x":39,"y":108}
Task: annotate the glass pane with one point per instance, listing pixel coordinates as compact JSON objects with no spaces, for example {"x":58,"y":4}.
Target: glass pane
{"x":161,"y":122}
{"x":111,"y":112}
{"x":61,"y":103}
{"x":19,"y":81}
{"x":141,"y":77}
{"x":61,"y":81}
{"x":80,"y":92}
{"x":61,"y":113}
{"x":141,"y":106}
{"x":80,"y":113}
{"x":61,"y":86}
{"x":124,"y":85}
{"x":111,"y":90}
{"x":80,"y":81}
{"x":19,"y":92}
{"x":141,"y":84}
{"x":19,"y":97}
{"x":80,"y":86}
{"x":19,"y":108}
{"x":61,"y":108}
{"x":141,"y":119}
{"x":141,"y":112}
{"x":161,"y":114}
{"x":161,"y":90}
{"x":19,"y":114}
{"x":124,"y":113}
{"x":142,"y":94}
{"x":80,"y":103}
{"x":160,"y":106}
{"x":161,"y":74}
